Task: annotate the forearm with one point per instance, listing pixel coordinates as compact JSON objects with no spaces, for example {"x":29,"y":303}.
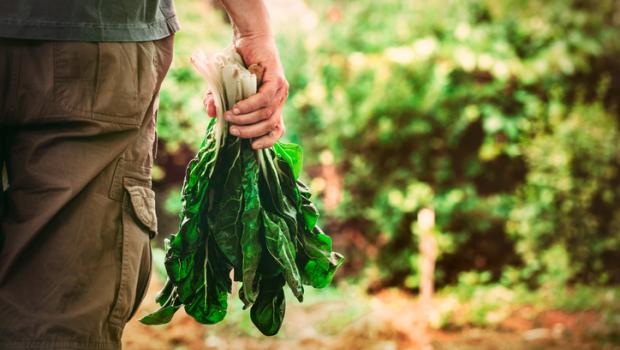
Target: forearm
{"x":249,"y":17}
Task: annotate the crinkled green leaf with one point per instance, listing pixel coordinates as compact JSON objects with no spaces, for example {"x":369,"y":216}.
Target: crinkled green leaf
{"x":267,"y":313}
{"x":322,"y":265}
{"x":165,"y":294}
{"x":310,"y":212}
{"x":168,"y":299}
{"x":161,"y":316}
{"x":225,"y":218}
{"x":292,"y":154}
{"x":282,"y":250}
{"x":250,"y":239}
{"x":210,"y":300}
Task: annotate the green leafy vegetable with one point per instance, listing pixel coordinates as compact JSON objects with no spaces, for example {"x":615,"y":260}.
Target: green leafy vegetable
{"x":244,"y":211}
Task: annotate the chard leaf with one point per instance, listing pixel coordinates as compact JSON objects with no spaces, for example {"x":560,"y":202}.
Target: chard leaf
{"x":225,"y":219}
{"x":272,"y":187}
{"x":310,"y":212}
{"x":250,"y":239}
{"x":165,"y":294}
{"x":246,"y":302}
{"x":161,"y":316}
{"x":282,"y":250}
{"x":209,"y":305}
{"x":271,"y":191}
{"x":292,"y":154}
{"x":267,"y":313}
{"x":169,"y":301}
{"x":210,"y":300}
{"x":179,"y":267}
{"x":320,"y":268}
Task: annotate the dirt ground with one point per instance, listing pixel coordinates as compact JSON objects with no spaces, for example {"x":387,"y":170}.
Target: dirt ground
{"x":387,"y":321}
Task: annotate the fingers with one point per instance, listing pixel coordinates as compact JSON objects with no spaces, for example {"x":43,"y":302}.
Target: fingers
{"x":209,"y":104}
{"x":258,"y":117}
{"x":250,"y":118}
{"x":272,"y":92}
{"x":254,"y":130}
{"x":269,"y":139}
{"x":264,"y":133}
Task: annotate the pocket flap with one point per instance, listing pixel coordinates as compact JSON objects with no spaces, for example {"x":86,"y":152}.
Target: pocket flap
{"x":143,"y":203}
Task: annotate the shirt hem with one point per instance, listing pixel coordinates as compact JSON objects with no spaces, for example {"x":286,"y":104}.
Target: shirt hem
{"x":44,"y":30}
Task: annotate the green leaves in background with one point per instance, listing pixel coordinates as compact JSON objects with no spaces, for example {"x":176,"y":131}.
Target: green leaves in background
{"x":469,"y":100}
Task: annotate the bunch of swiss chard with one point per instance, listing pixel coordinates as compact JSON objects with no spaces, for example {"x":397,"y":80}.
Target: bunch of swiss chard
{"x":244,"y":211}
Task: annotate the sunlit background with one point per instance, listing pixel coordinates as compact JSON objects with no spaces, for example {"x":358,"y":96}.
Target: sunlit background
{"x":465,"y":156}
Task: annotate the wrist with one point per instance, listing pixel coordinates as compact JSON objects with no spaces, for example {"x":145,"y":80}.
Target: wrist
{"x":254,"y":33}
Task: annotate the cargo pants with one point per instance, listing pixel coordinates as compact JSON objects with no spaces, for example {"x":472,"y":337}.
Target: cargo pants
{"x":77,"y":211}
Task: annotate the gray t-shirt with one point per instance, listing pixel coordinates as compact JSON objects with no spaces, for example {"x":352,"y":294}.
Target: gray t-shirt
{"x":87,"y":20}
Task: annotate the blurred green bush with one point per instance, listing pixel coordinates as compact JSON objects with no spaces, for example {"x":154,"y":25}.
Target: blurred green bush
{"x":501,"y":115}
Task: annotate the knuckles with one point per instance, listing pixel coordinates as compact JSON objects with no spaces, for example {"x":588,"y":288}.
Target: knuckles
{"x":284,"y":90}
{"x":282,"y":83}
{"x":284,"y":87}
{"x":267,"y":113}
{"x":264,"y":100}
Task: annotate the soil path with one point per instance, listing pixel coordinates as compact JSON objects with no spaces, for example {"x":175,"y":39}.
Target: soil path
{"x":390,"y":320}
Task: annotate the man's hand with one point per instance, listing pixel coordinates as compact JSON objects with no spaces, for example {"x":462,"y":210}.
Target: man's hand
{"x":259,"y":116}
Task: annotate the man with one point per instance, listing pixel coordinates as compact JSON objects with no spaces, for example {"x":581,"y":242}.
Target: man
{"x":79,"y":82}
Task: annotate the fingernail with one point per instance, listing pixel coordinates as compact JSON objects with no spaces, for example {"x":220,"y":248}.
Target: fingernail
{"x":236,"y":110}
{"x":257,"y":146}
{"x":234,"y":131}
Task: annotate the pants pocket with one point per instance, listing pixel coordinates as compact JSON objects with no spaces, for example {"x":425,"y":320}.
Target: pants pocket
{"x":106,"y":81}
{"x":75,"y":73}
{"x":139,"y":226}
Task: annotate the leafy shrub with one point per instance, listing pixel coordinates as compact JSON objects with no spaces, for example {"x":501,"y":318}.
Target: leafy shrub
{"x":466,"y":107}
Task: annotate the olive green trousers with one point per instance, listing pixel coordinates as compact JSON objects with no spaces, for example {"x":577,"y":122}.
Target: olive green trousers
{"x":77,"y":212}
